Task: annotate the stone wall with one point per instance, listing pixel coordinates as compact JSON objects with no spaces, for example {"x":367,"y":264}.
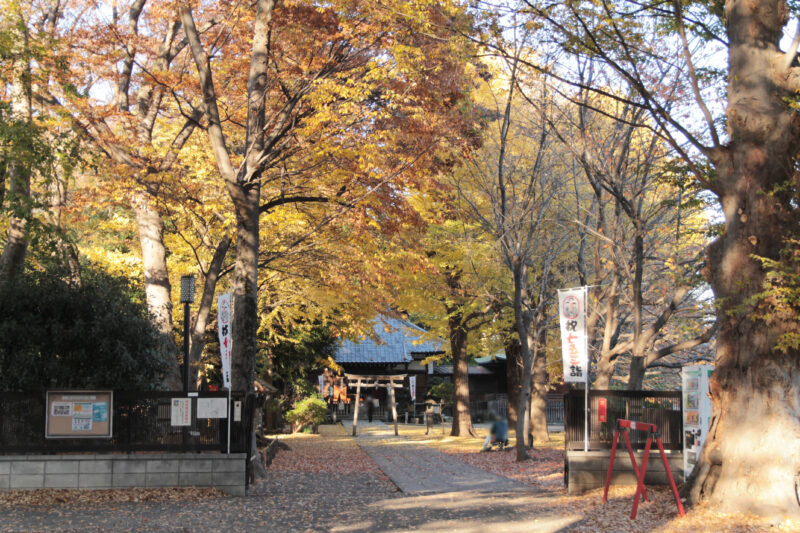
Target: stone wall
{"x":107,"y":471}
{"x":588,"y":470}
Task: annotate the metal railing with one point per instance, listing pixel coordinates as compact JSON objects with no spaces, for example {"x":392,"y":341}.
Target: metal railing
{"x":554,"y":411}
{"x":141,"y":421}
{"x":662,"y":408}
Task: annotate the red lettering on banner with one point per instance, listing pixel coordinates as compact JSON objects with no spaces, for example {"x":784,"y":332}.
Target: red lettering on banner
{"x":602,"y":409}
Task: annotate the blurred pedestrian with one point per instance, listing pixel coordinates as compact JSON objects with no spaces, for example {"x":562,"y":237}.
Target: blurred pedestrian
{"x":497,"y":435}
{"x":370,"y":407}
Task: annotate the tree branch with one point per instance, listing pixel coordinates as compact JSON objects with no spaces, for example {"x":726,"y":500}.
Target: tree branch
{"x":703,"y":338}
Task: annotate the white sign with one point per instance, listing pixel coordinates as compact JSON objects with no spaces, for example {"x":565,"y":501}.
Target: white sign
{"x":321,"y":379}
{"x":237,"y":411}
{"x":572,"y":315}
{"x":412,"y":385}
{"x":181,"y":412}
{"x":81,"y":424}
{"x":212,"y":408}
{"x":224,"y":327}
{"x":61,"y":409}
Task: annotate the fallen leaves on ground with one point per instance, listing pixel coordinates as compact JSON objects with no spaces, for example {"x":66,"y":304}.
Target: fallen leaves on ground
{"x":544,"y":470}
{"x":49,"y":497}
{"x":659,"y":515}
{"x":333,"y":451}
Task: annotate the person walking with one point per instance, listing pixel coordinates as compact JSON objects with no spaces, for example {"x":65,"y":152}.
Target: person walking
{"x":429,"y":412}
{"x":370,"y":407}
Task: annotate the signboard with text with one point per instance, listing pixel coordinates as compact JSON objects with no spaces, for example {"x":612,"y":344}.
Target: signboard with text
{"x":180,"y":413}
{"x":79,"y":414}
{"x":572,"y":318}
{"x":696,"y":413}
{"x":224,"y":325}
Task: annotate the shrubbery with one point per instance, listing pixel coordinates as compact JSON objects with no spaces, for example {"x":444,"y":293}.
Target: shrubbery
{"x":308,"y":412}
{"x":442,"y":392}
{"x":56,"y":334}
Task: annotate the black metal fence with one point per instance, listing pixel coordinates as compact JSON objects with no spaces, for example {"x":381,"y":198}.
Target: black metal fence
{"x":662,"y":408}
{"x":141,"y":422}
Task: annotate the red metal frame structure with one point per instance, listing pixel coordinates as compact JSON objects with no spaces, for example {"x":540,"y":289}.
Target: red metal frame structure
{"x":623,"y":426}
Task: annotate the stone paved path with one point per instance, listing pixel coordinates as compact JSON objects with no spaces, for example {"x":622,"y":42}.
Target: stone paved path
{"x":418,"y":469}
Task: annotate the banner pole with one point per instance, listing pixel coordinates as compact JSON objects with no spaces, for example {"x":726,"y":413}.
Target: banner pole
{"x":588,"y":369}
{"x":229,"y":420}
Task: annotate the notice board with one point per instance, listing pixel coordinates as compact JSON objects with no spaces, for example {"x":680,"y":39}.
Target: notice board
{"x":79,"y":414}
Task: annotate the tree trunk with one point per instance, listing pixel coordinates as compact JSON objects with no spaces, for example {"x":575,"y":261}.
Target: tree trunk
{"x":751,"y":459}
{"x":156,"y":282}
{"x":244,"y":329}
{"x":462,"y":419}
{"x":513,"y":373}
{"x":522,"y":322}
{"x":541,"y":382}
{"x":636,"y":374}
{"x":607,"y":359}
{"x":522,"y":409}
{"x":19,"y":173}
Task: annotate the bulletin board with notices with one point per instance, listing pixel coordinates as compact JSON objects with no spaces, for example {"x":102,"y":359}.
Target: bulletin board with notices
{"x":79,"y":414}
{"x":696,"y":413}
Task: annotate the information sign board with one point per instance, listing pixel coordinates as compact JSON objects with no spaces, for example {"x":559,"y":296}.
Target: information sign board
{"x":181,"y":412}
{"x":212,"y":408}
{"x":696,"y":413}
{"x":79,"y":414}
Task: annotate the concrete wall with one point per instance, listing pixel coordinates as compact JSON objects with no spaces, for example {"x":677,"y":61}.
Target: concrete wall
{"x":587,"y":470}
{"x":111,"y":471}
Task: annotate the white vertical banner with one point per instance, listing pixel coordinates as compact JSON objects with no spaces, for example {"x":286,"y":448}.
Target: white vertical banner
{"x":224,"y":327}
{"x":412,"y":385}
{"x":572,"y":316}
{"x":321,"y":379}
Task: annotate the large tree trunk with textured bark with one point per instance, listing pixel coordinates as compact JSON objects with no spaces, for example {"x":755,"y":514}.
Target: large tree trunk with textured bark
{"x":751,"y":459}
{"x":156,"y":282}
{"x":462,"y":418}
{"x":538,"y":413}
{"x":636,"y":372}
{"x":244,"y":330}
{"x":522,"y":323}
{"x":513,"y":373}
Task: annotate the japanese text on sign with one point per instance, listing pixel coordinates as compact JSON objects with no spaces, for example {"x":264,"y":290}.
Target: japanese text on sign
{"x":572,"y":316}
{"x":224,"y":323}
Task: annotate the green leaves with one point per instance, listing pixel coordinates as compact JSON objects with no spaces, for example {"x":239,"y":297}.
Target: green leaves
{"x":57,"y":334}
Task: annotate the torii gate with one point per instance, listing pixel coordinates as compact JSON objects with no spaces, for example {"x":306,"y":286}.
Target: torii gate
{"x":390,"y":382}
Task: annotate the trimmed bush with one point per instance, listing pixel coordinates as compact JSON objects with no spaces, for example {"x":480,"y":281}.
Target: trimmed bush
{"x":308,"y":412}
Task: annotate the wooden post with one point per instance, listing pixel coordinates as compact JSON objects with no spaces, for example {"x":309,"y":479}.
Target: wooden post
{"x":394,"y":407}
{"x":355,"y":409}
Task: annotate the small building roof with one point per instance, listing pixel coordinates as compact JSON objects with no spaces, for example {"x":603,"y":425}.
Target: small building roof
{"x":489,"y":359}
{"x":397,"y":341}
{"x":447,"y":370}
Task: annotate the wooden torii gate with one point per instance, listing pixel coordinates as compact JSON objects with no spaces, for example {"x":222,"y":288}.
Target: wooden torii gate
{"x":390,"y":382}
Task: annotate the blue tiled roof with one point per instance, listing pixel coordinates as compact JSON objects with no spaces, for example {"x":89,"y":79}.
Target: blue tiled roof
{"x":394,"y":346}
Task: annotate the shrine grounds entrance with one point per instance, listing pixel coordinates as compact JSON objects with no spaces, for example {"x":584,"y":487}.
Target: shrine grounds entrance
{"x":389,"y":382}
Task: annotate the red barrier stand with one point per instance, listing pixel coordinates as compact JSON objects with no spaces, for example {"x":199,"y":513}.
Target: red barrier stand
{"x":622,"y":427}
